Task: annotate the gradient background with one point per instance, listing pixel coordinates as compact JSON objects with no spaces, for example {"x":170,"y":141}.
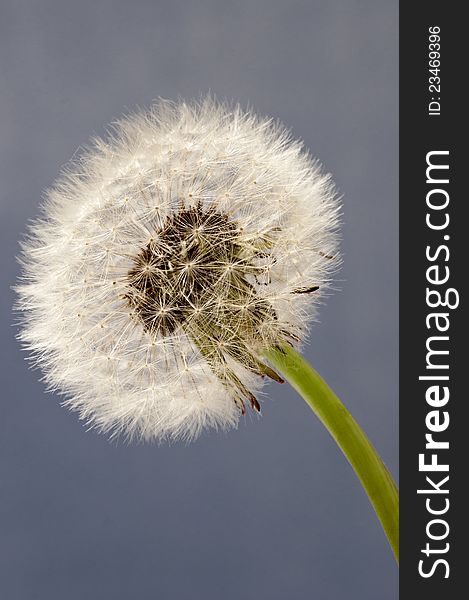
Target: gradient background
{"x":271,"y":511}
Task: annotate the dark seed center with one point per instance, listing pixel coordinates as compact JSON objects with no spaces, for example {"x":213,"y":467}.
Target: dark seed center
{"x":194,"y":275}
{"x":188,"y":265}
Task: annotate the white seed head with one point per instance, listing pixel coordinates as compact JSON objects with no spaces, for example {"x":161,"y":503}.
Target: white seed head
{"x":168,"y":257}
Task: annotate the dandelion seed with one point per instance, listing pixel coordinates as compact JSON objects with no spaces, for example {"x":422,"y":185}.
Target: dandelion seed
{"x":168,"y":258}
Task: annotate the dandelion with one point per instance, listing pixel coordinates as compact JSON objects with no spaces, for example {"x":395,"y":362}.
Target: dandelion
{"x":175,"y":267}
{"x":169,"y":257}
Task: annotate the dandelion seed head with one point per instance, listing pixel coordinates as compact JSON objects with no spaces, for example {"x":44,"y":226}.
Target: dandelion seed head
{"x":167,"y":258}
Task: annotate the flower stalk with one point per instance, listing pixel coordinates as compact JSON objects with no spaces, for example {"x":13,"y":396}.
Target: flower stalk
{"x":366,"y":462}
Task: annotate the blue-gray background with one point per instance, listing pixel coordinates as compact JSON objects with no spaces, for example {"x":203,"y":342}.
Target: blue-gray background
{"x":271,"y":511}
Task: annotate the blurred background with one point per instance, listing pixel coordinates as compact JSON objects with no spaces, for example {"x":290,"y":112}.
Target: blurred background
{"x":271,"y":510}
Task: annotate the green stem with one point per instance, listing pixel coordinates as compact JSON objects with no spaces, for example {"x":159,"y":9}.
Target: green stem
{"x":370,"y":469}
